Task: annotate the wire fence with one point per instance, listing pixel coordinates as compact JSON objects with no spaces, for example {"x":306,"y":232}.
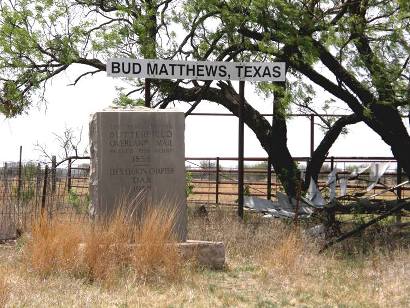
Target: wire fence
{"x":31,"y":188}
{"x":28,"y":189}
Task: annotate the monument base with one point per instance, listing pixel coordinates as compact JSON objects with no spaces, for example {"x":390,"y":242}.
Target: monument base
{"x":8,"y":230}
{"x":204,"y":253}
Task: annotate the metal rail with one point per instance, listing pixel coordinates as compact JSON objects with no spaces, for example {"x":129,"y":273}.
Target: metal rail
{"x":227,"y":176}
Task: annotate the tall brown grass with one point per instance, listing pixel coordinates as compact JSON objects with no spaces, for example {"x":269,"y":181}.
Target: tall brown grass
{"x":4,"y":291}
{"x":287,"y":253}
{"x":105,"y":250}
{"x":155,"y":251}
{"x":53,"y":246}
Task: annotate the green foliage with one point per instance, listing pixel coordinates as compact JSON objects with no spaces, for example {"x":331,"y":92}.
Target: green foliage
{"x":189,"y":186}
{"x":29,"y":173}
{"x":125,"y":101}
{"x":78,"y":202}
{"x":27,"y":194}
{"x":28,"y":183}
{"x":247,"y":190}
{"x":40,"y":39}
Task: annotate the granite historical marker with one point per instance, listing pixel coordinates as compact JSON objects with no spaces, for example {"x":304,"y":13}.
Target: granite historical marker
{"x":138,"y":153}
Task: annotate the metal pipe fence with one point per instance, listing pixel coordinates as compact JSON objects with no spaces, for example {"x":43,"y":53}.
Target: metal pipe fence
{"x":217,"y":184}
{"x":28,"y":189}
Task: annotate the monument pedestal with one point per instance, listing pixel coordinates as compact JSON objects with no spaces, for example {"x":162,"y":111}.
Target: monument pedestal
{"x":138,"y":154}
{"x":138,"y":157}
{"x":203,"y":253}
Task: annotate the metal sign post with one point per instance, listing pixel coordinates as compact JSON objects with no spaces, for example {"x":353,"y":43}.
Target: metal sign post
{"x":147,"y":87}
{"x":241,"y":148}
{"x":202,"y":70}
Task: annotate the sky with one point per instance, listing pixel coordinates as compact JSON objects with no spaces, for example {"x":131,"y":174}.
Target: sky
{"x":205,"y":136}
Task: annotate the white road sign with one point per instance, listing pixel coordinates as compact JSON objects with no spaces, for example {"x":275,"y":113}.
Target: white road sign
{"x":200,"y":70}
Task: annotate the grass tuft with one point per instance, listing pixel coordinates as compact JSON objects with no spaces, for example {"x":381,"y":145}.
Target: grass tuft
{"x":155,"y":254}
{"x":286,"y":255}
{"x":105,"y":250}
{"x":53,"y":246}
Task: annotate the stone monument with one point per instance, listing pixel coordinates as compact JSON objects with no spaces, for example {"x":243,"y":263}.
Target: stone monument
{"x":138,"y":153}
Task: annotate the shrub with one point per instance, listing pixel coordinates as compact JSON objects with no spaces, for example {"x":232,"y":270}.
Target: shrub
{"x":189,"y":186}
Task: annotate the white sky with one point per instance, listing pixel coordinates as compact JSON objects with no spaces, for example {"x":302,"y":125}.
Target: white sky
{"x":71,"y":106}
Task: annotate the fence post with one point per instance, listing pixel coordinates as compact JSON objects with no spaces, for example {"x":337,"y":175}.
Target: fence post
{"x":38,"y":177}
{"x":69,"y":176}
{"x":43,"y":197}
{"x":269,"y":179}
{"x":6,"y":186}
{"x":217,"y":182}
{"x":19,"y":179}
{"x":332,"y":163}
{"x":399,"y":189}
{"x":53,"y":173}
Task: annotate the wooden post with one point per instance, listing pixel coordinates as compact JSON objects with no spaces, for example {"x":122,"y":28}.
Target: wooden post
{"x":38,"y":187}
{"x":241,"y":147}
{"x":217,"y":182}
{"x":69,"y":176}
{"x":43,"y":197}
{"x":53,"y":173}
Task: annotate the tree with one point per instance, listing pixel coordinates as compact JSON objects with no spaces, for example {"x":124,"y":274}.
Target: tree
{"x":362,"y":43}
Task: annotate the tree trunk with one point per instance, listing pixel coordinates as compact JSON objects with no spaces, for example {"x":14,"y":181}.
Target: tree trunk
{"x":282,"y":160}
{"x":387,"y":122}
{"x":320,"y":153}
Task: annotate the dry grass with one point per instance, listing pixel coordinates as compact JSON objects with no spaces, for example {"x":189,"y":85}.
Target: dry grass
{"x":104,"y":251}
{"x":4,"y":290}
{"x":287,"y":254}
{"x":53,"y":246}
{"x":269,"y":263}
{"x":279,"y":265}
{"x":155,"y":252}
